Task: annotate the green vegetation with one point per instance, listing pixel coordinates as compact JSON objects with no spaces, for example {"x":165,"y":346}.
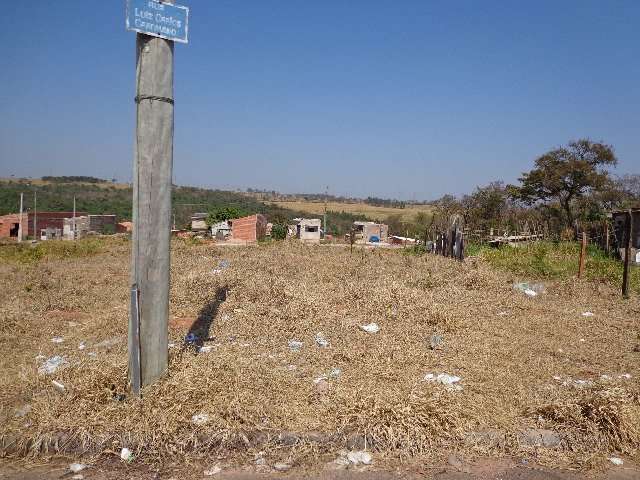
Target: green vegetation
{"x":72,"y":179}
{"x":222,"y":214}
{"x":279,"y":232}
{"x":555,"y":260}
{"x":98,"y":198}
{"x":26,"y":253}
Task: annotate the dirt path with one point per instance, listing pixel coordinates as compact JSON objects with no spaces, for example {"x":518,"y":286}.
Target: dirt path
{"x":484,"y":469}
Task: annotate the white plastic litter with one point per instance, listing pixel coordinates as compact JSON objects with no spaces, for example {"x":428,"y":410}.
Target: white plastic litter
{"x":335,"y":373}
{"x":58,"y":386}
{"x":295,"y":345}
{"x":321,"y":341}
{"x":281,"y":467}
{"x":212,"y":471}
{"x":82,"y":346}
{"x":360,"y":457}
{"x":450,"y":382}
{"x":51,"y":365}
{"x":530,"y":293}
{"x":205,"y":349}
{"x":616,"y":461}
{"x":126,"y":455}
{"x":57,"y":339}
{"x":370,"y":328}
{"x":77,"y":476}
{"x":200,"y":418}
{"x":77,"y":467}
{"x":626,"y":376}
{"x":588,"y":314}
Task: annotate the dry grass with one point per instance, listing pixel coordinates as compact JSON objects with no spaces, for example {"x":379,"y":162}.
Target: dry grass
{"x":253,"y":387}
{"x":370,"y":211}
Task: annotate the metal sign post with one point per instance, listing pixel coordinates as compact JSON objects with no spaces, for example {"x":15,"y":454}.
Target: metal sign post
{"x":158,"y":24}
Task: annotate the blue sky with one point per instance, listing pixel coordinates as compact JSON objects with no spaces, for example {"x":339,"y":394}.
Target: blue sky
{"x":406,"y":99}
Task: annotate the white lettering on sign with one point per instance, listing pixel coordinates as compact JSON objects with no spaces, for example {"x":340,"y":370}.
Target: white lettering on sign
{"x":159,"y":23}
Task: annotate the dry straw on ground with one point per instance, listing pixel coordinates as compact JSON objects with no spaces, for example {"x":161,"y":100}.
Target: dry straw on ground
{"x":253,"y":392}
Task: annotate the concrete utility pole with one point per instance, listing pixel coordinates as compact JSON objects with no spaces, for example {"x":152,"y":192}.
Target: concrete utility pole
{"x":73,"y":222}
{"x":152,"y":173}
{"x":326,"y":194}
{"x":36,"y":237}
{"x":20,"y":219}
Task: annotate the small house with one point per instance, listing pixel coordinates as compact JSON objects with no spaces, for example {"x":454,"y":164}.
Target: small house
{"x":308,"y":229}
{"x":199,"y":222}
{"x":249,"y":229}
{"x":371,"y":231}
{"x":221,"y":230}
{"x":619,"y":219}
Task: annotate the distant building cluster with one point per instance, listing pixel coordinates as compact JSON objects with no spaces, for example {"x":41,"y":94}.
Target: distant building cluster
{"x":59,"y":225}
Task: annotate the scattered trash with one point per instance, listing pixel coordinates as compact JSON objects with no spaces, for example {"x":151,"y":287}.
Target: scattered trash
{"x":200,"y":418}
{"x":281,"y":467}
{"x":295,"y":345}
{"x":582,"y":340}
{"x":58,"y":386}
{"x":82,"y":346}
{"x":370,"y":328}
{"x":260,"y":460}
{"x":333,"y":374}
{"x":626,"y":376}
{"x":436,"y":342}
{"x":77,"y":476}
{"x":605,"y":377}
{"x":92,"y":354}
{"x":616,"y":461}
{"x":360,"y":457}
{"x":322,"y":386}
{"x":205,"y":349}
{"x":569,"y":382}
{"x":449,"y":381}
{"x":529,"y":289}
{"x":57,"y":339}
{"x":23,"y":411}
{"x":52,"y":364}
{"x":212,"y":471}
{"x":191,"y":338}
{"x":321,"y":341}
{"x":291,"y":368}
{"x":171,"y":345}
{"x":126,"y":455}
{"x":77,"y":467}
{"x":222,"y":265}
{"x":108,"y":343}
{"x":502,"y":314}
{"x":588,"y":314}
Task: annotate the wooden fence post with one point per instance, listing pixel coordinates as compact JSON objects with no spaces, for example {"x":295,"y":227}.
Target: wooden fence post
{"x":583,"y":251}
{"x":627,"y":254}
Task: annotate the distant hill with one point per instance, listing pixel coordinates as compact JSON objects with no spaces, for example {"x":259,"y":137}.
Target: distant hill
{"x":97,"y":196}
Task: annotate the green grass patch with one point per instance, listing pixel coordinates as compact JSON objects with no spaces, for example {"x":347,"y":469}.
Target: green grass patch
{"x":27,"y":252}
{"x":549,"y":260}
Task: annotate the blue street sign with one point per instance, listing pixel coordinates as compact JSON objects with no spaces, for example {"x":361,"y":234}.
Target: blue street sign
{"x":158,"y":19}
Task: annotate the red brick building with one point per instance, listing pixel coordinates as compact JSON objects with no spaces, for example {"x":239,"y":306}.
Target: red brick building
{"x":249,"y":229}
{"x":55,"y":220}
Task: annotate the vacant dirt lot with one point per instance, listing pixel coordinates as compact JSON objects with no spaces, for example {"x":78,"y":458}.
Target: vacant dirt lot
{"x":539,"y":379}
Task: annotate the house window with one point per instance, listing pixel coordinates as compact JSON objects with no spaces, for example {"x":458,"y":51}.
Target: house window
{"x":311,"y":229}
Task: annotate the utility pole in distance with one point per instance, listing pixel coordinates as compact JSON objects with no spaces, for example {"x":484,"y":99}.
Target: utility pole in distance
{"x":20,"y":219}
{"x":36,"y":237}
